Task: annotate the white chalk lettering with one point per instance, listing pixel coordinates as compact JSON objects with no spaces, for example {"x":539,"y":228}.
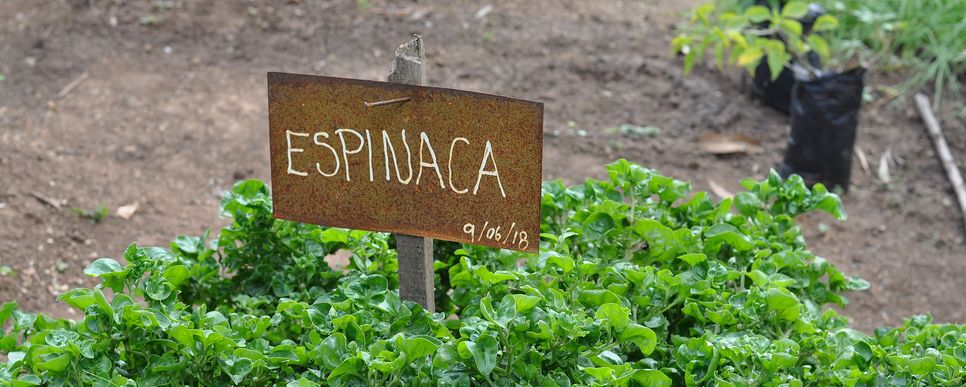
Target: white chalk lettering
{"x":345,"y":150}
{"x":449,"y":165}
{"x":487,"y":155}
{"x":288,"y":140}
{"x":424,"y":143}
{"x":387,"y":148}
{"x":318,"y":166}
{"x":459,"y":161}
{"x":369,"y":143}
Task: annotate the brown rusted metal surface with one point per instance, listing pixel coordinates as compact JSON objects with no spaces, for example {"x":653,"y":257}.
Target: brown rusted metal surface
{"x":322,"y":126}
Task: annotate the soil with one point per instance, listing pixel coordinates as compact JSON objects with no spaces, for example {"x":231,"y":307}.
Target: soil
{"x":173,"y":111}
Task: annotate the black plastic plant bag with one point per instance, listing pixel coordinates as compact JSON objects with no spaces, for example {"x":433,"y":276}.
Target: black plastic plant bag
{"x":824,"y":116}
{"x":777,"y":93}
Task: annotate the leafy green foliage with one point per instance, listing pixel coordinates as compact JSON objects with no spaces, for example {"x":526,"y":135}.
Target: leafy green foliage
{"x":925,"y":38}
{"x":752,"y":34}
{"x":638,"y":282}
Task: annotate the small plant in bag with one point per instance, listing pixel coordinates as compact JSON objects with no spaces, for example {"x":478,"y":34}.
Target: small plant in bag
{"x":823,"y":104}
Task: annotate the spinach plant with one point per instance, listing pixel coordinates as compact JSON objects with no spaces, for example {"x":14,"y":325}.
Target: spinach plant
{"x":638,"y":282}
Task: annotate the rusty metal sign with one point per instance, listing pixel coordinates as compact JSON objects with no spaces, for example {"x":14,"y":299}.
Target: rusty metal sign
{"x":424,"y":161}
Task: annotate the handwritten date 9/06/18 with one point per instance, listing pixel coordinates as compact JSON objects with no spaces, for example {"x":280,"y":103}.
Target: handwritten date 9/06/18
{"x":505,"y":236}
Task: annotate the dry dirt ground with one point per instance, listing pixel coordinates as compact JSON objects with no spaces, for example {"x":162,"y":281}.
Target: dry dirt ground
{"x":173,"y":111}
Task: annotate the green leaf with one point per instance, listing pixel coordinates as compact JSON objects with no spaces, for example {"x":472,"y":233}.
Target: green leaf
{"x":6,"y":311}
{"x":55,"y":364}
{"x":783,"y":303}
{"x":614,"y":316}
{"x":757,"y":13}
{"x":169,"y":362}
{"x":184,"y":335}
{"x":103,"y":266}
{"x":651,"y":378}
{"x":504,"y":312}
{"x":60,"y":338}
{"x":416,"y":347}
{"x":791,"y":27}
{"x":693,"y":258}
{"x":176,"y":274}
{"x":702,"y":12}
{"x":820,"y":46}
{"x":446,"y":355}
{"x":78,"y":298}
{"x":643,"y":337}
{"x":237,"y":368}
{"x":664,"y":244}
{"x":776,"y":63}
{"x":598,"y":297}
{"x":727,"y":233}
{"x":750,"y":57}
{"x":388,"y":362}
{"x":795,"y":10}
{"x":157,"y":288}
{"x":565,"y":263}
{"x":333,"y":350}
{"x":368,"y":288}
{"x":748,"y":203}
{"x":335,"y":235}
{"x":302,"y":382}
{"x":597,"y":224}
{"x":484,"y":352}
{"x":156,"y":254}
{"x":922,"y":365}
{"x":353,"y":366}
{"x":525,"y":303}
{"x":825,"y":23}
{"x":855,"y":284}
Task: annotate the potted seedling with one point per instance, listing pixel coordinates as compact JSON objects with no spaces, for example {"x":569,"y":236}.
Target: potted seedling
{"x":827,"y":92}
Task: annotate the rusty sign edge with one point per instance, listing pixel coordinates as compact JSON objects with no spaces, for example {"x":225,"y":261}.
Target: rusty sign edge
{"x":287,"y":77}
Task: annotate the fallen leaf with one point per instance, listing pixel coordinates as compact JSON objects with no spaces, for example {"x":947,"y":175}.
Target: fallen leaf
{"x":718,"y":190}
{"x":126,"y":212}
{"x":484,"y":11}
{"x":721,"y":144}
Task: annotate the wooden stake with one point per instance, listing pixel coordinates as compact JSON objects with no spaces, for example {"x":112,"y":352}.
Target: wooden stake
{"x":939,"y":140}
{"x":416,"y":278}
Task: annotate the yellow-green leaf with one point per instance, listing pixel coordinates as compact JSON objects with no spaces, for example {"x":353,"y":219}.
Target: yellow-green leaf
{"x":701,"y":12}
{"x":750,"y":57}
{"x":757,"y":14}
{"x":738,"y":38}
{"x":791,"y":27}
{"x":820,"y":46}
{"x":795,"y":10}
{"x":776,"y":63}
{"x":825,"y":23}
